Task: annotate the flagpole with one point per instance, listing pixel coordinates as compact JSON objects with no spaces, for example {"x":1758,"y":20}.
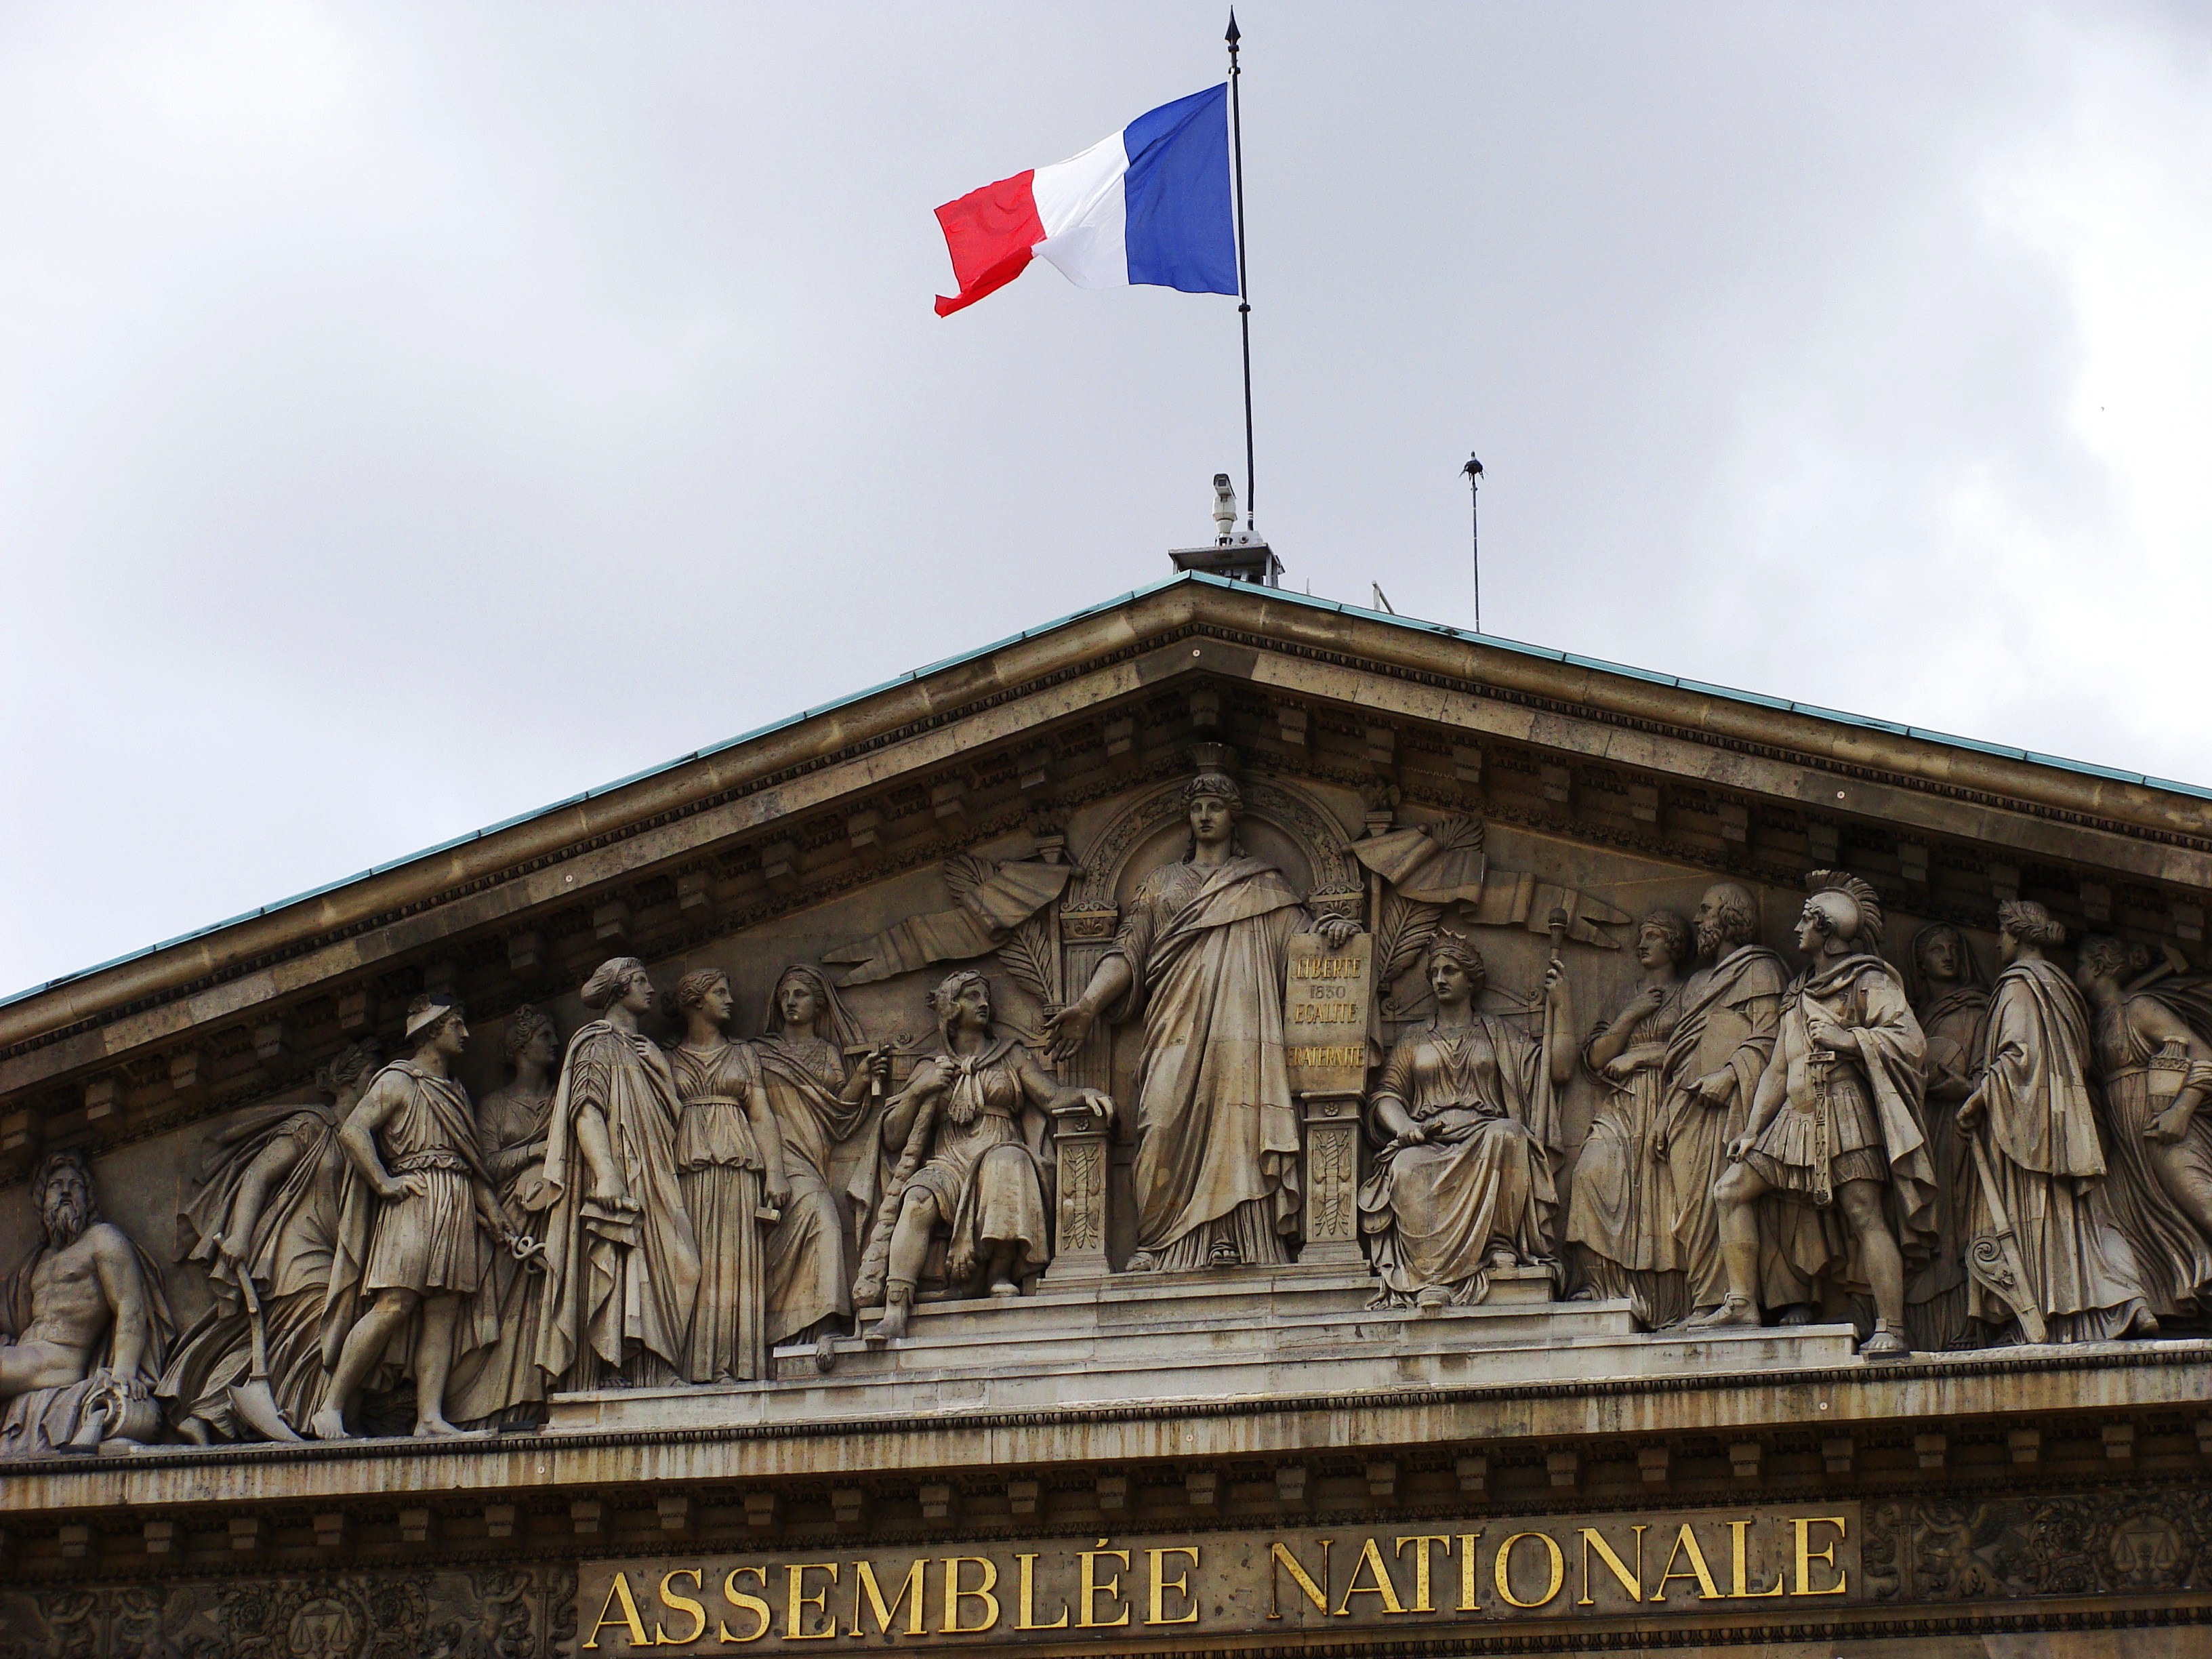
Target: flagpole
{"x":1244,"y":286}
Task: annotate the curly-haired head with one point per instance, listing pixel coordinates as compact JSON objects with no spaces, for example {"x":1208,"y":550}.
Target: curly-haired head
{"x":1218,"y":786}
{"x":427,"y":1015}
{"x":1449,"y":946}
{"x":1731,"y":917}
{"x":523,"y":1026}
{"x":2031,"y":924}
{"x":691,"y":990}
{"x":1675,"y":929}
{"x":2103,"y":956}
{"x":349,"y":1066}
{"x":609,"y":980}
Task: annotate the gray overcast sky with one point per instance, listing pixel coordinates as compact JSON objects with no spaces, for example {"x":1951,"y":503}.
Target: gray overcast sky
{"x":413,"y":414}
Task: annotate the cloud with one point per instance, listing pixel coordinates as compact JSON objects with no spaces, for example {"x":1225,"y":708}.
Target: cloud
{"x":410,"y":414}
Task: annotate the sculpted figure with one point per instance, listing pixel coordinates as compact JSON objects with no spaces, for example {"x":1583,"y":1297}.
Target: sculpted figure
{"x":2156,"y":1069}
{"x":1462,"y":1185}
{"x":818,"y":1100}
{"x":1834,"y":1126}
{"x":267,"y":1208}
{"x":2032,"y":1108}
{"x":970,"y":1132}
{"x":729,"y":1158}
{"x":1953,"y":1009}
{"x":1731,"y":1009}
{"x":414,"y":1201}
{"x":1202,"y":955}
{"x":82,"y":1325}
{"x":1620,"y":1213}
{"x":621,"y":1256}
{"x":501,"y":1382}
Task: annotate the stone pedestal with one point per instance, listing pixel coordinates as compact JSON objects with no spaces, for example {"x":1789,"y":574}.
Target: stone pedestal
{"x":1332,"y":1180}
{"x":1079,"y":1252}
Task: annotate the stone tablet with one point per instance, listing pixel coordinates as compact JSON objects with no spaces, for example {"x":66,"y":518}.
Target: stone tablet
{"x":1326,"y":1014}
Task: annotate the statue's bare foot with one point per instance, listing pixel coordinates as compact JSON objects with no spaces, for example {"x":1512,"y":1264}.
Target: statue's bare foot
{"x":1500,"y":1259}
{"x":1734,"y":1313}
{"x":1144,"y":1262}
{"x":1005,"y":1287}
{"x":825,"y":1352}
{"x":1432,"y":1296}
{"x":2145,"y":1323}
{"x":1223,"y":1255}
{"x":1798,"y":1313}
{"x":1885,"y":1343}
{"x":328,"y":1424}
{"x":433,"y":1428}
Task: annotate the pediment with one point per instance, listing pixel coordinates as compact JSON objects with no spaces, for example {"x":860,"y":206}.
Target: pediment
{"x":1004,"y":751}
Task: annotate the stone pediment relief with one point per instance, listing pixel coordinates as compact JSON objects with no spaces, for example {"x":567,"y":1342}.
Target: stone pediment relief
{"x":865,"y":1075}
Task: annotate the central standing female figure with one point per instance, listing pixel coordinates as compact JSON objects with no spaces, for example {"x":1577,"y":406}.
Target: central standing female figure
{"x":969,"y":1134}
{"x":1202,"y":955}
{"x":728,"y":1156}
{"x":1463,"y":1184}
{"x":818,"y":1100}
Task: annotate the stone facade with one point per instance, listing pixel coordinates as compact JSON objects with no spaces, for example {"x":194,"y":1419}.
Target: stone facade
{"x":1220,"y":1084}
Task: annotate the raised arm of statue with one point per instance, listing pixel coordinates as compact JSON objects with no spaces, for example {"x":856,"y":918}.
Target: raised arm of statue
{"x":264,"y":1174}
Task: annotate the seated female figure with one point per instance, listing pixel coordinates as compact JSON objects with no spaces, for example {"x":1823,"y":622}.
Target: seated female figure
{"x":1461,"y":1185}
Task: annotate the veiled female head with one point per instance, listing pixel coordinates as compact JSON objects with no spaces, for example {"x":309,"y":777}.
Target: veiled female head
{"x":1663,"y":939}
{"x":962,"y":1002}
{"x":804,"y":999}
{"x":619,"y":980}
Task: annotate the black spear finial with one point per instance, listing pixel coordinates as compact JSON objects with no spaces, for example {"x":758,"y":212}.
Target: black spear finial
{"x":1235,"y":34}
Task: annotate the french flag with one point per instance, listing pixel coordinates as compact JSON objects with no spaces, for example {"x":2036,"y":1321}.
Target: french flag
{"x":1150,"y":206}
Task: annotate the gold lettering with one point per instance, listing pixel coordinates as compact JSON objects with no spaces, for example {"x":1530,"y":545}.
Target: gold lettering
{"x":1686,"y":1540}
{"x":1088,"y":1590}
{"x":743,"y":1603}
{"x":954,"y":1595}
{"x":1325,"y":967}
{"x":676,"y":1603}
{"x":1181,"y":1586}
{"x":1368,"y":1556}
{"x":1737,"y":1528}
{"x":796,"y":1602}
{"x":1027,"y":1619}
{"x":1504,"y":1573}
{"x":620,"y":1591}
{"x":1421,"y":1601}
{"x":1634,"y":1585}
{"x":869,"y":1589}
{"x":1281,"y":1559}
{"x":1467,"y":1580}
{"x":1807,"y":1556}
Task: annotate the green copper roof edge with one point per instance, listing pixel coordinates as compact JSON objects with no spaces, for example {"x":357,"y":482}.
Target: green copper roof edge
{"x":1306,"y":600}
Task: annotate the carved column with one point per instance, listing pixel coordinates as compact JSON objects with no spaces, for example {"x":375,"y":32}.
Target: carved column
{"x":1332,"y":1180}
{"x":1080,"y":1237}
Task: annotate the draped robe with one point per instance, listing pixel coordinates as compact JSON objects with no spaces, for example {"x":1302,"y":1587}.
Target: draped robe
{"x":1620,"y":1209}
{"x":287,"y":1251}
{"x":622,"y":1281}
{"x":1729,"y":1014}
{"x":502,"y":1382}
{"x":810,"y":1262}
{"x":2049,"y":1168}
{"x":1207,"y":948}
